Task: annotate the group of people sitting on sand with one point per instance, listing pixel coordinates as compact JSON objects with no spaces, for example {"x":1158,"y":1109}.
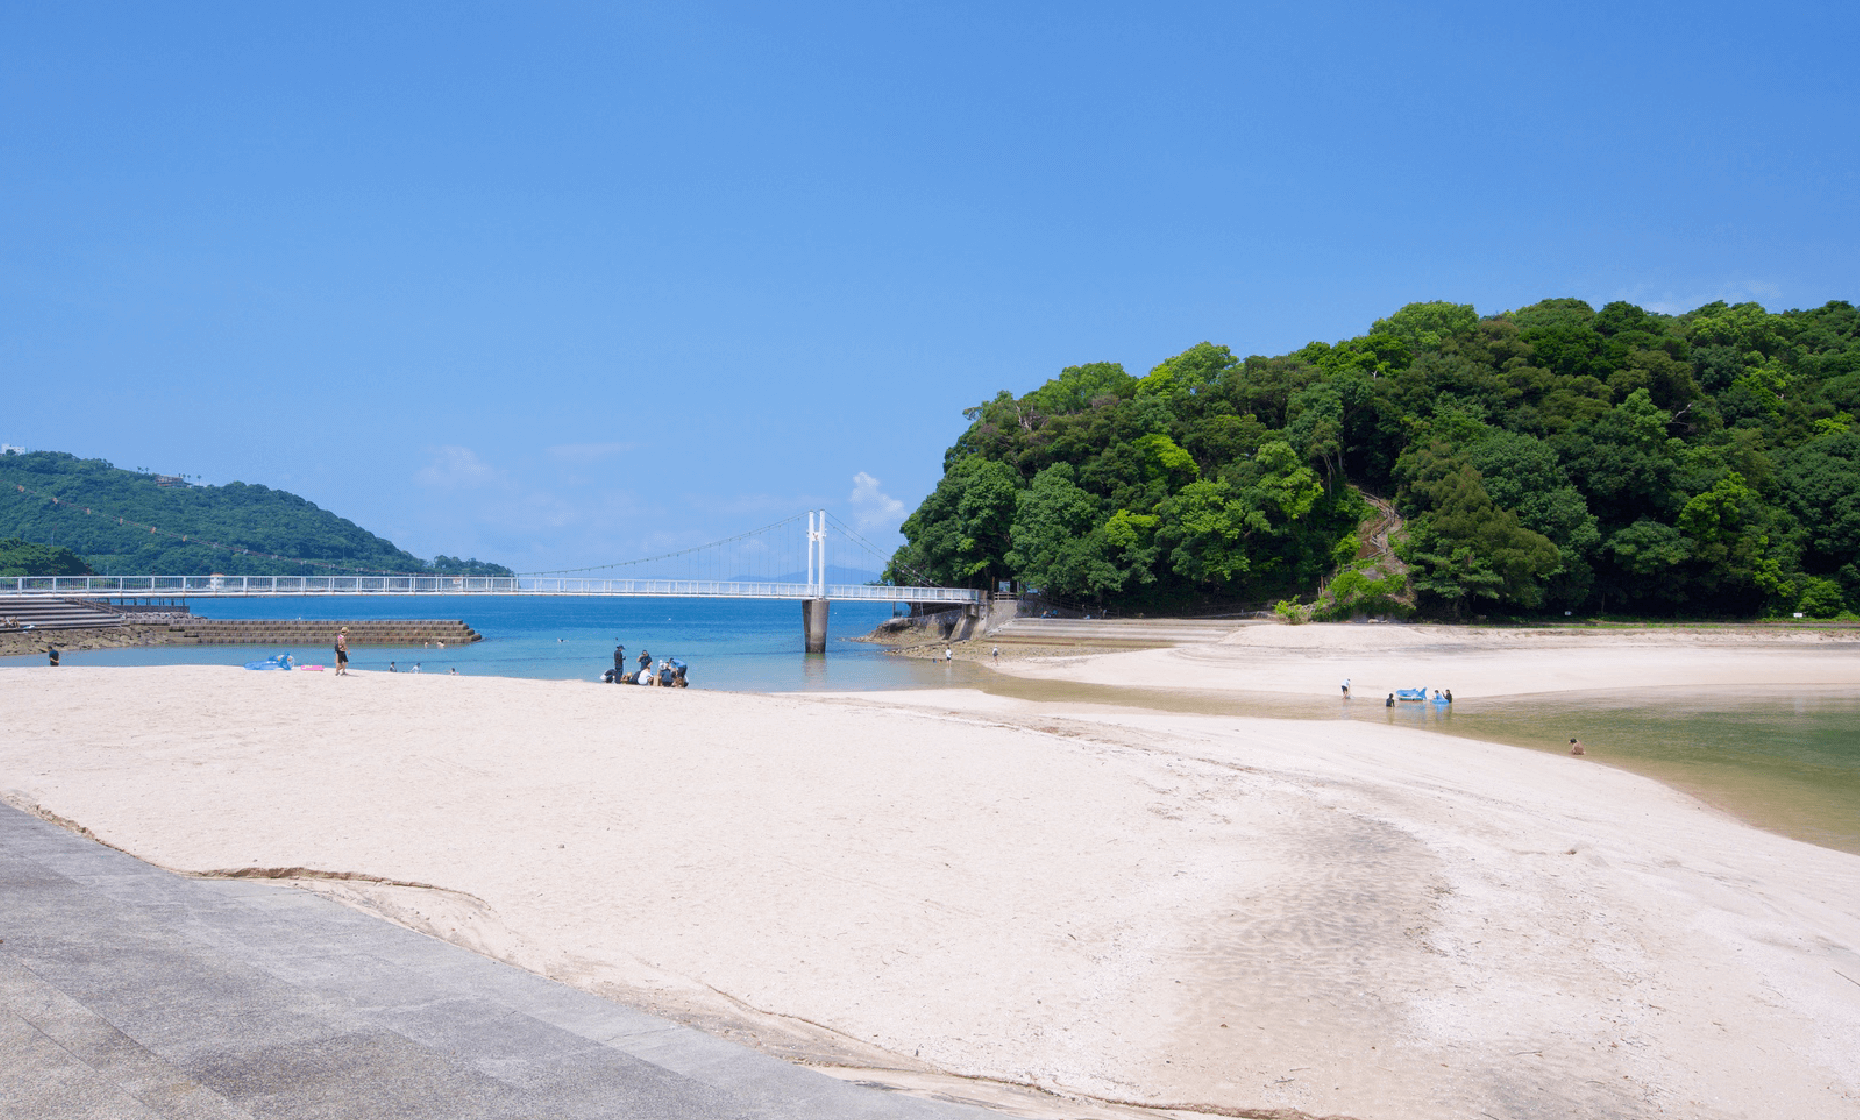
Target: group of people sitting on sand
{"x":669,"y":674}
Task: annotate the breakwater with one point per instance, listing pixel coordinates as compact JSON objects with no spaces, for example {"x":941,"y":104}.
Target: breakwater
{"x":318,"y":632}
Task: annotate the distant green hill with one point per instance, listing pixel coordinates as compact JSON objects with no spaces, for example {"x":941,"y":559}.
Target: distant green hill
{"x":105,"y":515}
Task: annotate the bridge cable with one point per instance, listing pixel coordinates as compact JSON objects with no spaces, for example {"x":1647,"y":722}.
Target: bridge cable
{"x":924,"y":581}
{"x":665,"y":556}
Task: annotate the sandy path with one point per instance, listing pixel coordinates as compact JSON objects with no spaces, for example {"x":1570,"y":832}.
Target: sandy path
{"x":1335,"y":917}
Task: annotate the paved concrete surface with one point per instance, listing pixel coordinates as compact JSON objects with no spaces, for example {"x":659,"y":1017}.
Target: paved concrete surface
{"x":127,"y":991}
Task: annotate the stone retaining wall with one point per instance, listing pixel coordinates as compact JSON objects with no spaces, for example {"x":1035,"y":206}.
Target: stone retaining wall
{"x":372,"y":632}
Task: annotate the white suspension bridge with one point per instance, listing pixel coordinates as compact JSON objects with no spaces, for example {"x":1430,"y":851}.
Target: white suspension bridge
{"x":772,"y":548}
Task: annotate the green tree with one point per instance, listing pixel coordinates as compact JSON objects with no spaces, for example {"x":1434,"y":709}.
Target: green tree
{"x":962,"y":532}
{"x":1427,"y":326}
{"x":1053,"y":546}
{"x":1462,"y":544}
{"x":1521,"y":474}
{"x":1610,"y":436}
{"x":24,"y":558}
{"x":1206,"y":527}
{"x":1820,"y":488}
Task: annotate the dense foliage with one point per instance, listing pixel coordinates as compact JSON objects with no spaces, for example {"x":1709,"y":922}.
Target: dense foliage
{"x":24,"y":558}
{"x":104,"y":515}
{"x":1551,"y":458}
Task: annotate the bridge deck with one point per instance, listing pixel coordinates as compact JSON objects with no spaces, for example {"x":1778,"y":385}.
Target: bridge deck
{"x":237,"y":587}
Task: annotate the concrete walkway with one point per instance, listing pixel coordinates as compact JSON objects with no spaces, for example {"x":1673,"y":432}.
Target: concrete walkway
{"x":127,"y":991}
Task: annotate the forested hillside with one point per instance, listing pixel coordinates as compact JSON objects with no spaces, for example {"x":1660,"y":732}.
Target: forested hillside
{"x":1546,"y":459}
{"x":124,"y":523}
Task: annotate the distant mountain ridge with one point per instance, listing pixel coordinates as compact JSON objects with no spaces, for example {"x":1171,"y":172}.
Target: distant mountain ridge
{"x":105,"y":515}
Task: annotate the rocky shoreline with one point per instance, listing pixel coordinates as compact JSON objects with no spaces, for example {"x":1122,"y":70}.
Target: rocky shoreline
{"x":219,"y":632}
{"x":18,"y":643}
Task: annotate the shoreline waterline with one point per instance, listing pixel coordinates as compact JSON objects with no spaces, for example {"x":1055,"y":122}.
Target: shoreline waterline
{"x":1782,"y":758}
{"x":1770,"y":755}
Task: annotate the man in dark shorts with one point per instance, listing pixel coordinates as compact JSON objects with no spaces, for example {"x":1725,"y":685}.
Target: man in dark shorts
{"x":342,"y":652}
{"x":619,"y":662}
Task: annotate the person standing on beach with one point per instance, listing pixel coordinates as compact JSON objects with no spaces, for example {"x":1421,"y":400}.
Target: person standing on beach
{"x":996,"y":653}
{"x":949,"y":654}
{"x":619,"y":661}
{"x":1346,"y":688}
{"x":342,"y":652}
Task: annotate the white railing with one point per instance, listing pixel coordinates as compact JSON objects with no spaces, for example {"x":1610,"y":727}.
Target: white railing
{"x":227,"y":587}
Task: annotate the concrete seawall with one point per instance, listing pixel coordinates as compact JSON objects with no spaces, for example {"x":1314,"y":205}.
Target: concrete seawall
{"x":370,"y":632}
{"x":267,"y":632}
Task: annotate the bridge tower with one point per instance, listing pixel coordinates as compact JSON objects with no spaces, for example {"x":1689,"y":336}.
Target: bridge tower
{"x":814,"y":607}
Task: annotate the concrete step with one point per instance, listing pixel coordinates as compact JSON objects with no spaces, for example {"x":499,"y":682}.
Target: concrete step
{"x":130,"y":991}
{"x":54,"y":614}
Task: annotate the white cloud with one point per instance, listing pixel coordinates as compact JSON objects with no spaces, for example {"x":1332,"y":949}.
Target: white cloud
{"x":872,"y":507}
{"x":457,"y":468}
{"x":1669,"y":301}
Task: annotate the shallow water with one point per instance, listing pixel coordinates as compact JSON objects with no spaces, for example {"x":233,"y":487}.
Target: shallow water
{"x":1783,"y":759}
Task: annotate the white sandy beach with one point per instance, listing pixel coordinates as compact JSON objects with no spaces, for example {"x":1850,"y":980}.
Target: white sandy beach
{"x":1379,"y":658}
{"x":1231,"y":914}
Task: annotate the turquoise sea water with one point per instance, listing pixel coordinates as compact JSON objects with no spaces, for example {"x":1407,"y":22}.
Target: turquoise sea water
{"x":1785,"y":759}
{"x":741,"y":645}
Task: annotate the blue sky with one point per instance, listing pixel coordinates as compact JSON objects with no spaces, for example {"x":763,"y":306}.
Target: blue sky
{"x":560,"y":284}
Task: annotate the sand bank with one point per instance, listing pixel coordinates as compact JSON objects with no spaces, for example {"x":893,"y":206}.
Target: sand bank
{"x":1380,"y":658}
{"x":1338,"y":918}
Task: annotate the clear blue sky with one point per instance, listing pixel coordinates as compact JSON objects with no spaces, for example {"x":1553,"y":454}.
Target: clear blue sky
{"x":557,"y":284}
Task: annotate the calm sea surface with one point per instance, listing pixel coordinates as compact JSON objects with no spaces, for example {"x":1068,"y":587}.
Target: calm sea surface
{"x":1784,"y":759}
{"x":743,"y":645}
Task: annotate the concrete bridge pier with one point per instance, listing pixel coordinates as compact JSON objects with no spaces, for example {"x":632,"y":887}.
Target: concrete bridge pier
{"x":814,"y":623}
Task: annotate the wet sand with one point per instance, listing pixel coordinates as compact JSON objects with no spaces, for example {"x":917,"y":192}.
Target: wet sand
{"x":1655,"y":700}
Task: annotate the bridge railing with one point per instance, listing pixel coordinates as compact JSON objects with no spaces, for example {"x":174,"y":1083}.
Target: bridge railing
{"x":267,"y":586}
